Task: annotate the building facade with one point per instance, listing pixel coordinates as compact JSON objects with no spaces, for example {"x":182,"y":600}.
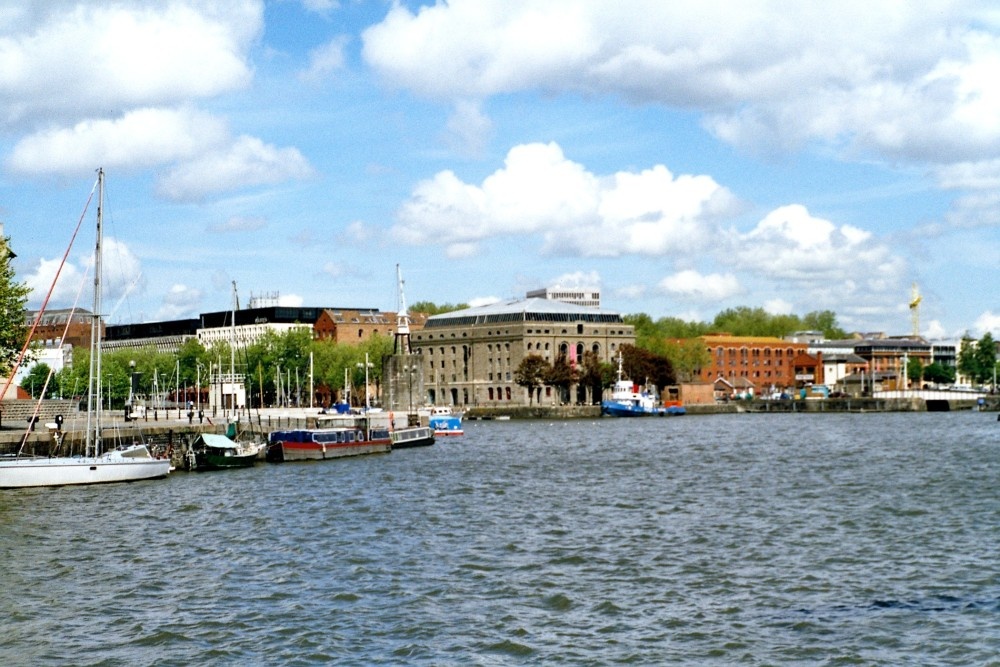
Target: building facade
{"x":762,"y":362}
{"x":580,"y":297}
{"x":470,"y":356}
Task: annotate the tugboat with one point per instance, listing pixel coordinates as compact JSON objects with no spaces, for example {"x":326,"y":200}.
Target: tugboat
{"x":628,"y":401}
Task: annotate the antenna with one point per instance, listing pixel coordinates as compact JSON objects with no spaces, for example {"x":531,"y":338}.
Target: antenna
{"x":915,"y":300}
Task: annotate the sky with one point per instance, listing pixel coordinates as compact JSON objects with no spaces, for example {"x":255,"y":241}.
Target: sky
{"x":681,"y":157}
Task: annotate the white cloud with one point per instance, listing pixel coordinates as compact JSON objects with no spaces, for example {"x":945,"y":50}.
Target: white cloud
{"x":779,"y":307}
{"x":773,"y":74}
{"x":77,"y":60}
{"x":179,"y":302}
{"x":461,"y":250}
{"x":826,"y":264}
{"x":577,"y":280}
{"x":246,"y":162}
{"x":122,"y":274}
{"x":325,"y":60}
{"x":988,"y":322}
{"x":468,"y":128}
{"x":690,"y":284}
{"x":140,"y":138}
{"x":73,"y":282}
{"x":483,"y":301}
{"x":320,"y":6}
{"x":290,"y":300}
{"x":240,"y":224}
{"x":539,"y":191}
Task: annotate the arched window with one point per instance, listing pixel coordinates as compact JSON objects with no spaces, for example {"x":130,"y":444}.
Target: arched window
{"x":491,"y":393}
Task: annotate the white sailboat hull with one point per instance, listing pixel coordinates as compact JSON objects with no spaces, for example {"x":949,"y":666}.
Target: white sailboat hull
{"x":63,"y":471}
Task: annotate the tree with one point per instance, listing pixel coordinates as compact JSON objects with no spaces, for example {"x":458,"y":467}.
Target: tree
{"x":561,"y":376}
{"x":531,"y":374}
{"x":35,"y":380}
{"x":688,"y":357}
{"x":825,"y":321}
{"x":986,"y":358}
{"x":644,"y":367}
{"x":13,"y":297}
{"x":938,"y":373}
{"x":977,"y":360}
{"x":431,"y":308}
{"x":914,"y":370}
{"x":596,"y":374}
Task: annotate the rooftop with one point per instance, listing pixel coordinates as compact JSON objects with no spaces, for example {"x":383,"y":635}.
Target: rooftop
{"x":523,"y":310}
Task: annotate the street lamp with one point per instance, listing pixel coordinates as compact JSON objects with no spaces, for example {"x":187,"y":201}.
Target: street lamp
{"x":366,"y":367}
{"x":133,"y":381}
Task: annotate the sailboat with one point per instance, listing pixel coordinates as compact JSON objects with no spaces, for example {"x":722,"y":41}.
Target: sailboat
{"x":96,"y":466}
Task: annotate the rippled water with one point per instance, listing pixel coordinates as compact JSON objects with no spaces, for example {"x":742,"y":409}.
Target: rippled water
{"x":753,"y":539}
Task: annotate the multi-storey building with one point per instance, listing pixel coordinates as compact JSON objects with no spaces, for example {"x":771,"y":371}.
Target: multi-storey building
{"x":580,"y":297}
{"x":356,"y":325}
{"x":470,"y":355}
{"x":759,"y":361}
{"x":67,"y":326}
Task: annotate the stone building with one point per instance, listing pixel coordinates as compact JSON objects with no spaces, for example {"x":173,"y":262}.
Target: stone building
{"x":470,"y":355}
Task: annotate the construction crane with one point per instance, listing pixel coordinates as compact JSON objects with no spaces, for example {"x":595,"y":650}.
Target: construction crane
{"x":915,"y":300}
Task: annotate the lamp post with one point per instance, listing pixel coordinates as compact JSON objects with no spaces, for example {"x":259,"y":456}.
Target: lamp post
{"x":132,"y":382}
{"x":366,"y":367}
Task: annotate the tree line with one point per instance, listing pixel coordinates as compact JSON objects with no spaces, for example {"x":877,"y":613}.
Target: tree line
{"x":278,"y":369}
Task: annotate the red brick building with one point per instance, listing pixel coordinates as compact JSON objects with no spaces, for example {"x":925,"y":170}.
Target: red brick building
{"x":53,"y":325}
{"x":763,"y":361}
{"x":352,"y":326}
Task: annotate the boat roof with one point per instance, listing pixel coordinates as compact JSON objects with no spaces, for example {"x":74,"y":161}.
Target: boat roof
{"x":217,"y":441}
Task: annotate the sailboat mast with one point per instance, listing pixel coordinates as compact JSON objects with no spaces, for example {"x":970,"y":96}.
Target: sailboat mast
{"x":402,"y":341}
{"x":232,"y":338}
{"x":94,"y":385}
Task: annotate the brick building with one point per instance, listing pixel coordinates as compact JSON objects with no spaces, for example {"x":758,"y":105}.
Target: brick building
{"x":355,"y":325}
{"x":763,"y":362}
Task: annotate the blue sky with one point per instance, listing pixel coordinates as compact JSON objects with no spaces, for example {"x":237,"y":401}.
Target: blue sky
{"x":682,"y":157}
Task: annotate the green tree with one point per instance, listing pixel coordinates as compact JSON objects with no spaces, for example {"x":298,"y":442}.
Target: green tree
{"x":825,"y":321}
{"x":643,"y":367}
{"x":977,"y":360}
{"x":938,"y":373}
{"x":13,"y":298}
{"x":562,"y":376}
{"x":35,"y":380}
{"x":431,"y":308}
{"x":986,"y":358}
{"x":531,"y":374}
{"x":688,"y":357}
{"x":595,"y":375}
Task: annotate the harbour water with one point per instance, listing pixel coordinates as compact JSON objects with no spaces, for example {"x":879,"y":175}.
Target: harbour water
{"x":866,"y":539}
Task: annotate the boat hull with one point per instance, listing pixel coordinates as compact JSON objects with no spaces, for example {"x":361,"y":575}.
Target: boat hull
{"x":415,"y":436}
{"x":24,"y":473}
{"x":616,"y":409}
{"x":322,"y":444}
{"x":445,"y":425}
{"x":298,"y":451}
{"x":217,"y":461}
